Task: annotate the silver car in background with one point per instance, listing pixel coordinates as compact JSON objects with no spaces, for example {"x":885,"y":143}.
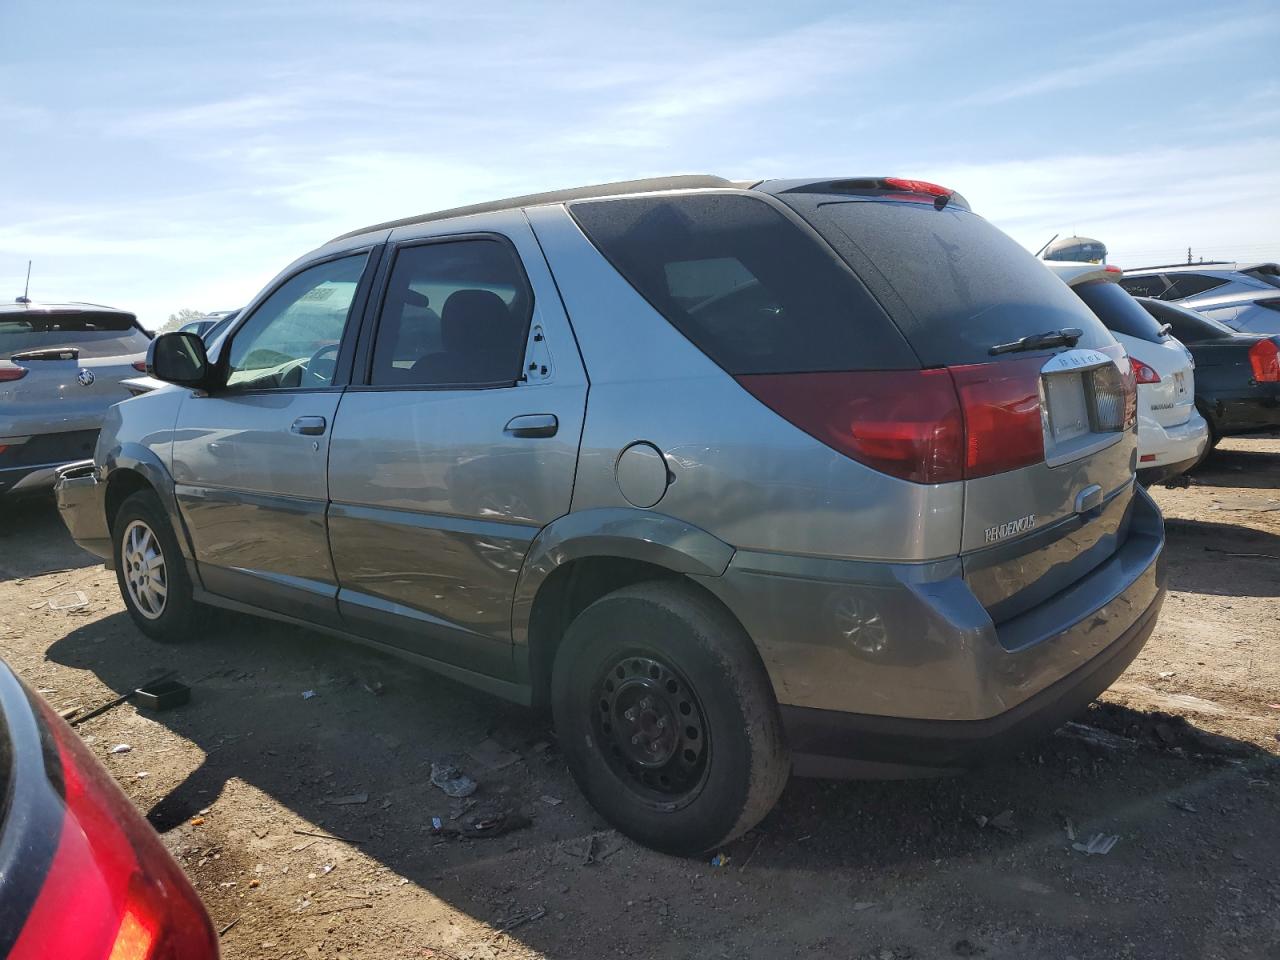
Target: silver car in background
{"x":62,"y":365}
{"x":738,"y":479}
{"x":1244,"y":296}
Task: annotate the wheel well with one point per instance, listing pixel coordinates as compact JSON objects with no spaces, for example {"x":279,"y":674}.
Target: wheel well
{"x":122,"y":485}
{"x":568,"y":591}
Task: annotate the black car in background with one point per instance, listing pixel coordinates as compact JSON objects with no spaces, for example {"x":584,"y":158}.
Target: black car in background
{"x":1237,"y":374}
{"x":82,"y":874}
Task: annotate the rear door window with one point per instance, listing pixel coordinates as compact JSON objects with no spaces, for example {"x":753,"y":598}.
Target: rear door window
{"x":1119,"y":311}
{"x":749,"y":287}
{"x":1183,"y":285}
{"x":957,"y":284}
{"x":94,"y":335}
{"x":455,"y":314}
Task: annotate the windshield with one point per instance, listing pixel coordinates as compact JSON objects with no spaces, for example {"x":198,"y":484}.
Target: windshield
{"x":94,"y":334}
{"x":955,"y":285}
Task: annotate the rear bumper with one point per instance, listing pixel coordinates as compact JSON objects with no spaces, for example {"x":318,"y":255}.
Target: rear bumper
{"x":895,"y":669}
{"x":1254,"y":414}
{"x":82,"y":506}
{"x":1160,"y":447}
{"x":30,"y":463}
{"x":827,"y":743}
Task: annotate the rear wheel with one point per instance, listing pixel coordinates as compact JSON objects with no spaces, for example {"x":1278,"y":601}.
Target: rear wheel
{"x":667,"y":718}
{"x":150,"y":569}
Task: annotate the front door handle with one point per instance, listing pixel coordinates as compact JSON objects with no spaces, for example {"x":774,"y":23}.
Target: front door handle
{"x":309,"y":426}
{"x":533,"y":425}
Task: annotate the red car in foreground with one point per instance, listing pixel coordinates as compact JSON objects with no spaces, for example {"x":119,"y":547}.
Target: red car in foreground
{"x":82,"y":874}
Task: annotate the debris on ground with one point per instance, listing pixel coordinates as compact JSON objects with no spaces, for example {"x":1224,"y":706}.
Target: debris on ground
{"x":550,"y":800}
{"x":966,"y":948}
{"x":75,"y":600}
{"x":121,"y":748}
{"x":1095,"y":736}
{"x":1099,"y":844}
{"x":720,"y":860}
{"x":520,"y":919}
{"x":451,"y":780}
{"x":1182,"y":805}
{"x":308,"y":694}
{"x":1002,"y":821}
{"x":68,"y":713}
{"x":349,"y":799}
{"x":492,"y":755}
{"x":1070,"y":828}
{"x":197,"y":821}
{"x":483,"y":827}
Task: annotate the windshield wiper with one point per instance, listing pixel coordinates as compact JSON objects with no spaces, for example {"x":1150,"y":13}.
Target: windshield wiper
{"x":1066,"y":337}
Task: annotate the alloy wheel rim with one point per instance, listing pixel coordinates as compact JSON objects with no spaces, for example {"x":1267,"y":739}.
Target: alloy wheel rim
{"x":145,"y":574}
{"x":651,"y":731}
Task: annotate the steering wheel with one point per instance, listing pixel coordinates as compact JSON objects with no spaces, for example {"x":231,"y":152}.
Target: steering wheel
{"x":324,"y":375}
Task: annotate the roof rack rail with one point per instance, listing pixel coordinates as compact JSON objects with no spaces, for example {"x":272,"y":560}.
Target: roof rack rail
{"x":651,"y":185}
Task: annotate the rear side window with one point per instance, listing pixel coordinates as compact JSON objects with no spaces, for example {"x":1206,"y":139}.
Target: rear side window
{"x":1150,"y":285}
{"x":1182,"y":285}
{"x":746,"y":285}
{"x":1119,"y":311}
{"x":957,"y":285}
{"x":455,"y":314}
{"x":95,"y":335}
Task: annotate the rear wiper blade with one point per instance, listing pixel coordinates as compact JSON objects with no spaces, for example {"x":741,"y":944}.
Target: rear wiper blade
{"x":49,"y":353}
{"x":1066,"y":337}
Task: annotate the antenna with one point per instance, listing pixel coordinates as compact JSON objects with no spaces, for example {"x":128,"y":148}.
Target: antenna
{"x":1046,"y":245}
{"x":27,"y":289}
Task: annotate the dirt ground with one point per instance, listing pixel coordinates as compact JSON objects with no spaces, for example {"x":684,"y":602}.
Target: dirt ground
{"x":241,"y":780}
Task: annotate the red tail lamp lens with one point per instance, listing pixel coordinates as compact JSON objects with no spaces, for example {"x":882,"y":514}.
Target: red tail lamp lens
{"x":140,"y":366}
{"x":1003,"y":426}
{"x":1142,"y":372}
{"x":1264,"y":357}
{"x":918,"y":186}
{"x":112,"y":891}
{"x":927,"y":426}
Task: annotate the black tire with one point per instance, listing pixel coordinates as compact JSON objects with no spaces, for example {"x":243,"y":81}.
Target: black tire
{"x":667,"y":644}
{"x":174,"y":618}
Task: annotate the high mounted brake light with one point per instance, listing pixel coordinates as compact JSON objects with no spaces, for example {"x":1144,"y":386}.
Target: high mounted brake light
{"x":917,"y":186}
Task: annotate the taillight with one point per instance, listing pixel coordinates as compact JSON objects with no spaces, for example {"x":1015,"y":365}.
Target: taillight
{"x":140,"y":366}
{"x":1003,"y":427}
{"x":1142,"y":372}
{"x":927,"y":426}
{"x":1264,"y":357}
{"x":112,"y":892}
{"x":9,"y":374}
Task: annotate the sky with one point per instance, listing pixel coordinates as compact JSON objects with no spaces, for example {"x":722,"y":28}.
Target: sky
{"x":156,"y":156}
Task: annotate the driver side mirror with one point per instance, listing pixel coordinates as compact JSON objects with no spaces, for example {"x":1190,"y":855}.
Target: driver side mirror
{"x":179,"y":358}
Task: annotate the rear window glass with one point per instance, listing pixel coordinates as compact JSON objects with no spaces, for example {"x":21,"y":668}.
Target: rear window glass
{"x":750,"y":288}
{"x":955,"y":284}
{"x":96,"y":335}
{"x":1119,"y":311}
{"x":1187,"y":325}
{"x":1183,"y":285}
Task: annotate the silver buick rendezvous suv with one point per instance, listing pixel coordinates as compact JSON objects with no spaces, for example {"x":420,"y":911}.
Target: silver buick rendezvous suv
{"x":739,"y":479}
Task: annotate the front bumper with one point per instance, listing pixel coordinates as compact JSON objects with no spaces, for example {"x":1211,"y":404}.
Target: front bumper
{"x":82,"y":505}
{"x":898,"y":669}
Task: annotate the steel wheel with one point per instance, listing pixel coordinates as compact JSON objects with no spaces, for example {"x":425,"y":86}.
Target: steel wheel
{"x":145,"y":575}
{"x":650,"y":727}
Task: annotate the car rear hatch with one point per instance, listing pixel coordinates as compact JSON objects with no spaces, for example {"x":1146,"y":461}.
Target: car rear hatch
{"x":61,"y":369}
{"x":1162,"y":366}
{"x":1045,"y":394}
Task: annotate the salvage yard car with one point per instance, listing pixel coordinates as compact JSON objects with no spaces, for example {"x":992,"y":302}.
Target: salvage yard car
{"x":1172,"y":435}
{"x":62,"y":365}
{"x":739,"y":479}
{"x":1244,"y":296}
{"x":1237,"y":374}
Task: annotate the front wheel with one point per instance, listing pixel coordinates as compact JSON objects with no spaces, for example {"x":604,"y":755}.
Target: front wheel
{"x":667,"y":718}
{"x":150,"y":569}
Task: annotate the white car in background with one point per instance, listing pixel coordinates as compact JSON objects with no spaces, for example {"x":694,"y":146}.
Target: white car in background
{"x":1172,"y":435}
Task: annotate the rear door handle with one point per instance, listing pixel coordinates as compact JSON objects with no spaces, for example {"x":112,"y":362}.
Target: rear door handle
{"x":533,"y":425}
{"x":309,"y":426}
